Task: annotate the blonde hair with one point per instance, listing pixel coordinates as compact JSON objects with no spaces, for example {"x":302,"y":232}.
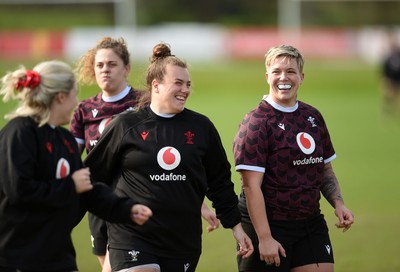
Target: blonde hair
{"x":35,"y":99}
{"x":285,"y":51}
{"x":85,"y":65}
{"x":160,"y":58}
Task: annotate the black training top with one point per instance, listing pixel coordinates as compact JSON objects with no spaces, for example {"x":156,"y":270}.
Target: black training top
{"x":39,"y":206}
{"x":170,"y":164}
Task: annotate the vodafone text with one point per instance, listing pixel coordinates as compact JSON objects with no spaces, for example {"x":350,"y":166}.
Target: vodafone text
{"x":310,"y":160}
{"x":168,"y":177}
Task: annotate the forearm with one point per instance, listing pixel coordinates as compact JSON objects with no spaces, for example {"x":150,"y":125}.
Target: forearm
{"x":330,"y":188}
{"x":257,"y":212}
{"x":255,"y":202}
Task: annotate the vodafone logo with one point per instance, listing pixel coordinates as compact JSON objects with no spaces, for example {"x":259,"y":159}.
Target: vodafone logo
{"x":168,"y":158}
{"x":103,"y":124}
{"x":305,"y":142}
{"x":63,"y":168}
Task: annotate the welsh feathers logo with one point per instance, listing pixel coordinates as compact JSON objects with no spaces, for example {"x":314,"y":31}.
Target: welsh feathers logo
{"x":168,"y":158}
{"x":63,"y":168}
{"x":306,"y":142}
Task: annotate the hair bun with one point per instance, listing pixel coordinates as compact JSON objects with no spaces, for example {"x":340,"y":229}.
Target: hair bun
{"x":160,"y":51}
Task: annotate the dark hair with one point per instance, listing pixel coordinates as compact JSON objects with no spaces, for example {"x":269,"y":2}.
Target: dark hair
{"x":160,"y":58}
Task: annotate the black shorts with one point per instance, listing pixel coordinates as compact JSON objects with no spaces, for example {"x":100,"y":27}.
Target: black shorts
{"x":123,"y":259}
{"x":305,"y":242}
{"x":98,"y":230}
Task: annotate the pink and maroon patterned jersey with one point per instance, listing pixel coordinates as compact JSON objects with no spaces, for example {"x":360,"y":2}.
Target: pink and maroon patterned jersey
{"x":290,"y":146}
{"x":93,"y":114}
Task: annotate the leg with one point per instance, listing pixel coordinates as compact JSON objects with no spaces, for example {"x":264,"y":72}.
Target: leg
{"x":99,"y":235}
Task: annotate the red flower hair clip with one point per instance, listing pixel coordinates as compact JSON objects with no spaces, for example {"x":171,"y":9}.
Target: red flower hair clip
{"x":31,"y":80}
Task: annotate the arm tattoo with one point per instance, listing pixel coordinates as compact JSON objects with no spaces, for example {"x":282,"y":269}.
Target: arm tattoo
{"x":330,"y":187}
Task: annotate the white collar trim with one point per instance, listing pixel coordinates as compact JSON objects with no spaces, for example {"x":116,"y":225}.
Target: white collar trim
{"x":116,"y":97}
{"x":268,"y":99}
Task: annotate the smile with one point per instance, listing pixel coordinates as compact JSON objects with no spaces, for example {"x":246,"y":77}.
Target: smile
{"x":284,"y":86}
{"x":180,"y":97}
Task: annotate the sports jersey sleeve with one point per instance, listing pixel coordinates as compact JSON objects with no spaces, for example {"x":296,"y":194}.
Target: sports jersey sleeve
{"x":76,"y":126}
{"x":329,"y":151}
{"x":220,"y":187}
{"x":104,"y":157}
{"x":249,"y":146}
{"x":102,"y":202}
{"x":18,"y":171}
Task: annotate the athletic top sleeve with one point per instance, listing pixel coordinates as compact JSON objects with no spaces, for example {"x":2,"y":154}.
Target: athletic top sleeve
{"x":220,"y":193}
{"x":102,"y":202}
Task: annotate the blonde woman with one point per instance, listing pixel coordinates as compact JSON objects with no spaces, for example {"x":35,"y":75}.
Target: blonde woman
{"x":44,"y":188}
{"x":283,"y":152}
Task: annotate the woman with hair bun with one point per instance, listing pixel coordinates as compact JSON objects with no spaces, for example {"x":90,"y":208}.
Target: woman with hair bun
{"x":107,"y":64}
{"x":44,"y":188}
{"x":169,"y":158}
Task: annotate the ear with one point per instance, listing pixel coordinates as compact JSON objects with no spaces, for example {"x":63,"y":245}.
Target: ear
{"x":60,"y":97}
{"x":154,"y":85}
{"x":301,"y":78}
{"x":128,"y":69}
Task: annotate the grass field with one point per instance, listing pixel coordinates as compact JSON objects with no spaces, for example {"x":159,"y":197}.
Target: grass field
{"x":366,"y":143}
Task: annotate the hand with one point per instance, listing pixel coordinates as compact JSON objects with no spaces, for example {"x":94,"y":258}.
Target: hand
{"x":140,"y":214}
{"x":345,"y":216}
{"x":245,"y":245}
{"x":82,"y":181}
{"x":210,"y":217}
{"x":270,"y":250}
